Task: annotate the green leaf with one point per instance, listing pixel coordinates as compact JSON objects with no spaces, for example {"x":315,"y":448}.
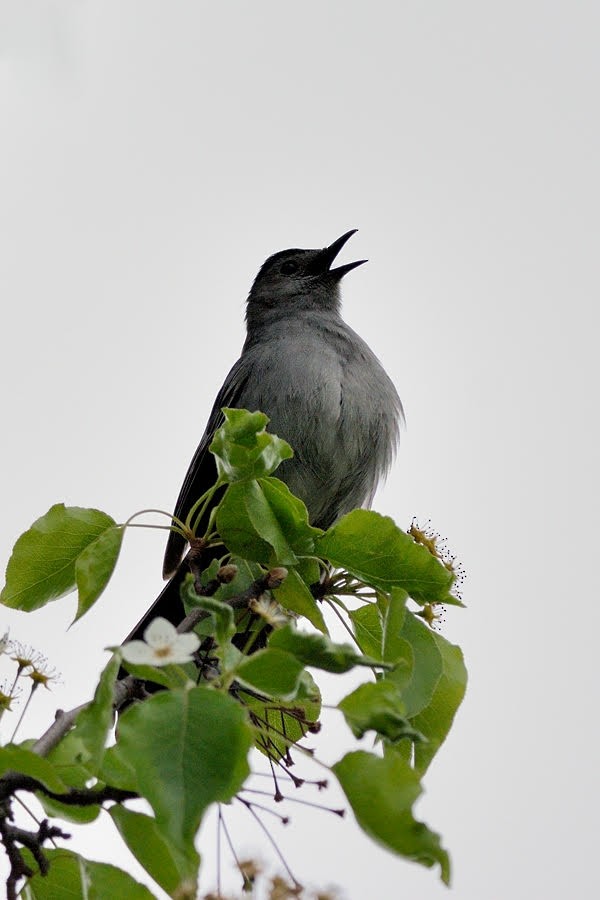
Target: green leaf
{"x":376,"y":551}
{"x":272,"y":672}
{"x":382,"y":793}
{"x":418,"y":690}
{"x":79,"y":754}
{"x":14,"y":758}
{"x":218,"y":609}
{"x":71,"y":877}
{"x":376,"y":706}
{"x":94,"y":567}
{"x":284,"y":723}
{"x":293,"y":594}
{"x":68,"y":760}
{"x":396,"y":648}
{"x":436,"y":719}
{"x":248,"y":527}
{"x":394,"y":645}
{"x":95,"y":721}
{"x":68,"y":812}
{"x":309,"y":569}
{"x":117,"y":770}
{"x":42,"y":565}
{"x":162,"y":862}
{"x":367,"y":629}
{"x":403,"y":748}
{"x":262,"y":521}
{"x":166,"y":676}
{"x":317,"y":650}
{"x":244,"y":450}
{"x":291,"y":514}
{"x":188,"y":749}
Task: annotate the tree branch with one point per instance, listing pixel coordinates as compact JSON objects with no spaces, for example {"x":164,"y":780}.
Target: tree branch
{"x":128,"y":688}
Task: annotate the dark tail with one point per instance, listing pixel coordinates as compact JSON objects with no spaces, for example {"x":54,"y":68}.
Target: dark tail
{"x":168,"y":604}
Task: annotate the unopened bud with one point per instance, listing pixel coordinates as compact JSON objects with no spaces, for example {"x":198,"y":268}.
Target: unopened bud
{"x":276,"y":576}
{"x":226,"y":574}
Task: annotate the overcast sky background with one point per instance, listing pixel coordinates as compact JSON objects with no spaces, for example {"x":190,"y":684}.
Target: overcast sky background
{"x":152,"y":155}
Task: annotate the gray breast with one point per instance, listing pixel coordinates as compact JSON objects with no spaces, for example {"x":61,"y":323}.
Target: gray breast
{"x":329,"y":397}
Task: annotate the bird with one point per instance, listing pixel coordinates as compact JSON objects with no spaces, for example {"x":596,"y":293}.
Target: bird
{"x":323,"y":389}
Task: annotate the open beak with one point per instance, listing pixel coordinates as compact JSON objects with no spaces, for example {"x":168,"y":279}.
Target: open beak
{"x":328,"y":255}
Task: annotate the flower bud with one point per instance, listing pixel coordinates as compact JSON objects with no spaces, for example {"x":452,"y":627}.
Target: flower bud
{"x":276,"y":576}
{"x":226,"y":574}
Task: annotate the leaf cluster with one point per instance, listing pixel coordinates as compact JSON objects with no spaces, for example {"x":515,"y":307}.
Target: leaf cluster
{"x":264,"y":636}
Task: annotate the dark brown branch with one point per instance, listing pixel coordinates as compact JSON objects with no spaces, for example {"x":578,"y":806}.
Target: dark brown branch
{"x":63,"y":722}
{"x":14,"y":781}
{"x":127,"y":688}
{"x":266,"y":582}
{"x":11,"y":835}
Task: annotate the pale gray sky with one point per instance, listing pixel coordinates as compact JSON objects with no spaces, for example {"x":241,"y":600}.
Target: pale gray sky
{"x":151,"y":156}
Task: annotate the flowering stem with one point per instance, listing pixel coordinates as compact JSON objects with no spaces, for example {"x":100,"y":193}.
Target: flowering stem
{"x":179,"y":526}
{"x":344,"y":623}
{"x":211,"y":519}
{"x":253,"y":636}
{"x":267,"y":731}
{"x":336,"y":812}
{"x":273,"y":843}
{"x":34,"y":684}
{"x":200,"y":506}
{"x":229,"y":676}
{"x":246,"y":882}
{"x":37,"y":821}
{"x":14,"y":684}
{"x":161,"y":527}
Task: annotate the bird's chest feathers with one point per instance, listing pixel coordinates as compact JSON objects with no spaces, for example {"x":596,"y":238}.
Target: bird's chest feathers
{"x":308,"y":375}
{"x":313,"y":387}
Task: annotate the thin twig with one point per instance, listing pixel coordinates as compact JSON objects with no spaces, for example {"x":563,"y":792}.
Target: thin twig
{"x":275,"y":846}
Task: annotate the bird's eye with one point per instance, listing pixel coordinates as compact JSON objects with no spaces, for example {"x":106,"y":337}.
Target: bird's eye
{"x":289,"y":267}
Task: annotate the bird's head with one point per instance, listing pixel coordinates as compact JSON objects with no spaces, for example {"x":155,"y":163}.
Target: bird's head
{"x":299,"y":279}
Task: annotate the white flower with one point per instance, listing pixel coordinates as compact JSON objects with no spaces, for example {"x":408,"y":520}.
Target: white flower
{"x":161,"y":646}
{"x":4,"y":643}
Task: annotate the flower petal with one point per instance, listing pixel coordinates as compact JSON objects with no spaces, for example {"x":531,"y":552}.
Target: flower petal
{"x":137,"y":652}
{"x":187,"y":643}
{"x":175,"y":656}
{"x":160,"y":633}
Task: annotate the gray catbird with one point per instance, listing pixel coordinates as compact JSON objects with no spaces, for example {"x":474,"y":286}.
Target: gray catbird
{"x":323,"y":389}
